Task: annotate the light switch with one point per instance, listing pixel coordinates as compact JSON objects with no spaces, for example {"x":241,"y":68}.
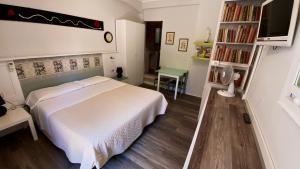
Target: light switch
{"x":11,"y":67}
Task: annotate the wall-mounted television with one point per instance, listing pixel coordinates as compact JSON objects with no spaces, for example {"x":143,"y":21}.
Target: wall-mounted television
{"x":278,"y":22}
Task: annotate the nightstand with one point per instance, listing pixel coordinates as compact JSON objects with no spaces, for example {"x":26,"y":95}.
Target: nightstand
{"x":122,"y":79}
{"x":17,"y":116}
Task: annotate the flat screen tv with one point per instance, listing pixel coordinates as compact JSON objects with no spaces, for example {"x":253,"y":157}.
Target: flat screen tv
{"x":278,"y":22}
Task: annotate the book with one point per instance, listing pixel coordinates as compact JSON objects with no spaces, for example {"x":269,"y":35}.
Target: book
{"x":241,"y":34}
{"x":239,"y":12}
{"x":229,"y":54}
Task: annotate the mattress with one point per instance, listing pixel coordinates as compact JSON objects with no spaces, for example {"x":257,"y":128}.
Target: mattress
{"x":93,"y":123}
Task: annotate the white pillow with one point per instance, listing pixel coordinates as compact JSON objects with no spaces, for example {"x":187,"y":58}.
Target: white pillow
{"x":39,"y":95}
{"x":92,"y":81}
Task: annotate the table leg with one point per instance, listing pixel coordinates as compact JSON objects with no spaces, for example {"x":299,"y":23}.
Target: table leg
{"x":32,"y":129}
{"x":176,"y":88}
{"x":185,"y":82}
{"x":158,"y":82}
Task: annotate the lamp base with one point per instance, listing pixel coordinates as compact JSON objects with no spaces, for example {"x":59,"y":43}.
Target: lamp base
{"x":119,"y":75}
{"x":225,"y":93}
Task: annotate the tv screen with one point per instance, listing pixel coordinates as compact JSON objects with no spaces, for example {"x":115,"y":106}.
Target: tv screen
{"x":276,"y":18}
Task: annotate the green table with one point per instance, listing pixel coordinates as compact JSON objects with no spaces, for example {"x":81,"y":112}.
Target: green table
{"x":173,"y":73}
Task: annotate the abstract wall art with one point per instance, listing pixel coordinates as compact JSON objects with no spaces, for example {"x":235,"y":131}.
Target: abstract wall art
{"x":22,"y":14}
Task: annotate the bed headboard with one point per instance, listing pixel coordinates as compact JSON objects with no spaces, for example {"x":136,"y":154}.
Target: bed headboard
{"x":35,"y":74}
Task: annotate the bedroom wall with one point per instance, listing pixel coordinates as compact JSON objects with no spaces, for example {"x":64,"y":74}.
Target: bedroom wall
{"x":19,"y":39}
{"x":188,"y":19}
{"x":278,"y":133}
{"x":30,"y":40}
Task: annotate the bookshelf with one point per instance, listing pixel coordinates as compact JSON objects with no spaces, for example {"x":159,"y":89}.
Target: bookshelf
{"x":235,"y":40}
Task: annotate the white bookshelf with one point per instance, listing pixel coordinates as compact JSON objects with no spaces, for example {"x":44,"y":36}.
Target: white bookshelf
{"x":250,"y":47}
{"x":240,"y":22}
{"x":235,"y":43}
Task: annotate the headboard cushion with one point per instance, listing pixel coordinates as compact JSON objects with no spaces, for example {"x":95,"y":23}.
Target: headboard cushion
{"x":39,"y":73}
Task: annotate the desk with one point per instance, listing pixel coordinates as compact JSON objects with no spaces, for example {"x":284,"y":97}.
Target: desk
{"x":173,"y":73}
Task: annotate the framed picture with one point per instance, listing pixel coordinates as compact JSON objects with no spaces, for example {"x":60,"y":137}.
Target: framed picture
{"x":170,"y":38}
{"x":183,"y":44}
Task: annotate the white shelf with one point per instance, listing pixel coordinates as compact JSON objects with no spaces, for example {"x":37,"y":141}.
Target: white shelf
{"x":239,"y":22}
{"x":217,"y":85}
{"x":235,"y":65}
{"x":220,"y":86}
{"x":234,"y":43}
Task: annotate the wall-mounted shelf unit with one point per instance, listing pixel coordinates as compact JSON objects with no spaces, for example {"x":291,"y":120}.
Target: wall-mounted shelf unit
{"x":235,"y":40}
{"x":209,"y":44}
{"x":200,"y":58}
{"x":240,"y":22}
{"x":203,"y":50}
{"x":234,"y":43}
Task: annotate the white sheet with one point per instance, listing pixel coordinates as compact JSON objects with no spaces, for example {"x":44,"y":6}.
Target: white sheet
{"x":94,"y":123}
{"x":92,"y":80}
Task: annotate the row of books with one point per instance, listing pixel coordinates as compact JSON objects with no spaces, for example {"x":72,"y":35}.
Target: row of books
{"x":225,"y":54}
{"x":238,"y":12}
{"x":214,"y":77}
{"x":241,"y":34}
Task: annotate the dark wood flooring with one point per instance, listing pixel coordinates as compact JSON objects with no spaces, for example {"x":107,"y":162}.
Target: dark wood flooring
{"x":224,"y":140}
{"x":163,"y":145}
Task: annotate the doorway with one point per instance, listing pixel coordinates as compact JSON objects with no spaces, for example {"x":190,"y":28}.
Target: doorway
{"x":152,"y":46}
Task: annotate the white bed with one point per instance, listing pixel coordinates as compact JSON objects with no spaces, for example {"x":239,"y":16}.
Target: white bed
{"x":94,"y":120}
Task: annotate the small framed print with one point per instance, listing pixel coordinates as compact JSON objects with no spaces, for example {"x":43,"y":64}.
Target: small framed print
{"x":183,"y":44}
{"x":170,"y":38}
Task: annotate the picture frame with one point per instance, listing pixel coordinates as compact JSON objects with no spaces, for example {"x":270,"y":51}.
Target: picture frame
{"x":170,"y":36}
{"x":183,"y":44}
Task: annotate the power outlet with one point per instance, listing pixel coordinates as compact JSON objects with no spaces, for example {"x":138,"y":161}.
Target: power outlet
{"x":11,"y":66}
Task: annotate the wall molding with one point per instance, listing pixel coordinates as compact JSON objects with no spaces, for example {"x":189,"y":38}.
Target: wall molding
{"x":7,"y":59}
{"x":150,"y":4}
{"x":263,"y":147}
{"x":136,"y":4}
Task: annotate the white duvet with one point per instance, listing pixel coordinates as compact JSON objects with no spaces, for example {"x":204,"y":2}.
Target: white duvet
{"x":93,"y":123}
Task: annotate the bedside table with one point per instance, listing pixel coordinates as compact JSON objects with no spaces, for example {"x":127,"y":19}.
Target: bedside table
{"x":17,"y":116}
{"x":122,"y":79}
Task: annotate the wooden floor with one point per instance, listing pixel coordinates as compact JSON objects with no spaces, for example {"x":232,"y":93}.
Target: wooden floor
{"x":224,"y":140}
{"x":164,"y":144}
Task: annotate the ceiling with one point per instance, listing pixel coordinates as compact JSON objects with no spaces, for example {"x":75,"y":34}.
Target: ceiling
{"x":148,"y":4}
{"x":143,"y":1}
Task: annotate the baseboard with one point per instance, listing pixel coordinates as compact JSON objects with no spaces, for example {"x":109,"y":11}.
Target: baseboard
{"x":191,"y":94}
{"x":263,"y":147}
{"x":149,"y":83}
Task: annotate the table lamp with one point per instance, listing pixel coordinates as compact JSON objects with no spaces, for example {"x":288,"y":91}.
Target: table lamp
{"x":119,"y":72}
{"x":3,"y":109}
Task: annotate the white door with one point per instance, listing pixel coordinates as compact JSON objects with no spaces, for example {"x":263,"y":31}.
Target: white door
{"x":140,"y":47}
{"x":131,"y":44}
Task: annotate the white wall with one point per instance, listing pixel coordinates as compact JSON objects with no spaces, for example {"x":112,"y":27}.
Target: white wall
{"x":10,"y":87}
{"x":279,"y":130}
{"x":147,"y":4}
{"x":22,"y":40}
{"x":19,"y":39}
{"x":187,"y":21}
